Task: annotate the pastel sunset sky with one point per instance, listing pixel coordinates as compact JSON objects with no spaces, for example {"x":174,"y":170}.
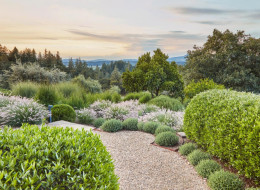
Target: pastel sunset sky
{"x":118,"y":29}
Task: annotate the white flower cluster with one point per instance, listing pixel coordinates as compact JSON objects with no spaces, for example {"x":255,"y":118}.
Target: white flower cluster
{"x":15,"y":110}
{"x":132,"y":109}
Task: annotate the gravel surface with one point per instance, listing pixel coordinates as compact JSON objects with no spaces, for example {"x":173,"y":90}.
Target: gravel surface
{"x":141,"y":165}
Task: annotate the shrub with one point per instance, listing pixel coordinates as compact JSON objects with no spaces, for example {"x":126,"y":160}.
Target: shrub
{"x":145,"y":98}
{"x":187,"y":148}
{"x":227,"y":124}
{"x":54,"y":158}
{"x":90,"y":85}
{"x":63,"y":112}
{"x":166,"y":139}
{"x":150,"y":127}
{"x":116,"y":98}
{"x":140,"y":126}
{"x":68,"y":88}
{"x":5,"y":91}
{"x":196,"y":156}
{"x":202,"y":85}
{"x":106,"y":96}
{"x":25,"y":89}
{"x":99,"y":122}
{"x":130,"y":124}
{"x":167,"y":103}
{"x":163,"y":128}
{"x":134,"y":95}
{"x":86,"y":116}
{"x":221,"y":180}
{"x":47,"y":95}
{"x":207,"y":167}
{"x":114,"y":89}
{"x":17,"y":111}
{"x":77,"y":100}
{"x":112,"y":125}
{"x":35,"y":73}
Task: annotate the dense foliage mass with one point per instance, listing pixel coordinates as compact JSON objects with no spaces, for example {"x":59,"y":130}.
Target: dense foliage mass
{"x":221,"y":180}
{"x":196,"y":156}
{"x":112,"y":125}
{"x":227,"y":124}
{"x":202,"y":85}
{"x":206,"y":167}
{"x":187,"y":148}
{"x":63,"y":112}
{"x":167,"y":103}
{"x":167,"y":139}
{"x":130,"y":124}
{"x":15,"y":110}
{"x":163,"y":128}
{"x":54,"y":158}
{"x":154,"y":74}
{"x":231,"y":59}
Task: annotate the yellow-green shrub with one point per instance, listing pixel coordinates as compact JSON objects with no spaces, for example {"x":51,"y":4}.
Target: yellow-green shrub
{"x":227,"y":124}
{"x":54,"y":158}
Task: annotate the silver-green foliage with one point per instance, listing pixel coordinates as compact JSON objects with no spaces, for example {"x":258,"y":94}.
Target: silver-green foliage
{"x":187,"y":148}
{"x":130,"y":124}
{"x":163,"y":128}
{"x":222,"y":180}
{"x":196,"y":156}
{"x":112,"y":125}
{"x":167,"y":139}
{"x":150,"y":127}
{"x":54,"y":158}
{"x":99,"y":122}
{"x":207,"y":167}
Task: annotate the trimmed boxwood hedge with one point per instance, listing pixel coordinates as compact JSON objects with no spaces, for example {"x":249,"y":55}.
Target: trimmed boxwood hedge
{"x":54,"y":158}
{"x":227,"y":124}
{"x":63,"y":112}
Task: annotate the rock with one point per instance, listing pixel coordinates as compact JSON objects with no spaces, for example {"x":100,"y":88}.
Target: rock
{"x":182,"y":134}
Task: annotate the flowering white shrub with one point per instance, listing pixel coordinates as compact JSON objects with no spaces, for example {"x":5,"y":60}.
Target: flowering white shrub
{"x":166,"y":117}
{"x":99,"y":107}
{"x":21,"y":110}
{"x":86,"y":116}
{"x":132,"y":109}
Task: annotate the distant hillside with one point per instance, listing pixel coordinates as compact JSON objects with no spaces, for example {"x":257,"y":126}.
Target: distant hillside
{"x":98,"y":62}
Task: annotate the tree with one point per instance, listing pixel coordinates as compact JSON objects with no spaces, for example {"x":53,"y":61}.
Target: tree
{"x":116,"y":79}
{"x":231,"y":59}
{"x":154,"y":74}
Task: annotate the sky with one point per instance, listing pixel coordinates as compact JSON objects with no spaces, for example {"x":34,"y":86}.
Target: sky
{"x":120,"y":29}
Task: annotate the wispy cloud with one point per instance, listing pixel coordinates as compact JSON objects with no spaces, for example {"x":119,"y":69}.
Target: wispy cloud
{"x":202,"y":11}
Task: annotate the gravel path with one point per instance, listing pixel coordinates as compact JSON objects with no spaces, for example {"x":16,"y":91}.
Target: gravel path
{"x":141,"y":165}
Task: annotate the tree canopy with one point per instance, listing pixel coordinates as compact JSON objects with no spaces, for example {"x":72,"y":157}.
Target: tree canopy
{"x":231,"y":59}
{"x":154,"y":74}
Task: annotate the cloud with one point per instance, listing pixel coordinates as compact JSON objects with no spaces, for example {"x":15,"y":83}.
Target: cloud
{"x":202,"y":11}
{"x":255,"y":15}
{"x":140,"y":42}
{"x":211,"y":22}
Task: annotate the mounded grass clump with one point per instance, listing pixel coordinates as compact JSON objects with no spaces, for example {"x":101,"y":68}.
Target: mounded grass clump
{"x":207,"y":167}
{"x":222,"y":180}
{"x":47,"y":95}
{"x":140,"y":126}
{"x":187,"y":148}
{"x":145,"y":98}
{"x":167,"y":139}
{"x":163,"y":128}
{"x":196,"y":156}
{"x":130,"y":124}
{"x":112,"y":125}
{"x":167,"y":103}
{"x":54,"y":158}
{"x":63,"y":112}
{"x":116,"y":97}
{"x":25,"y":89}
{"x":99,"y":122}
{"x":226,"y":123}
{"x":150,"y":127}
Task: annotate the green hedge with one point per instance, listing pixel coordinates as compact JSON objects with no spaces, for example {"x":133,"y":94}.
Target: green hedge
{"x":63,"y":112}
{"x":54,"y":158}
{"x":227,"y":124}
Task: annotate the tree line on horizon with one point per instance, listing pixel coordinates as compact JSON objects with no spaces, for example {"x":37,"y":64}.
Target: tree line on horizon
{"x":227,"y":58}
